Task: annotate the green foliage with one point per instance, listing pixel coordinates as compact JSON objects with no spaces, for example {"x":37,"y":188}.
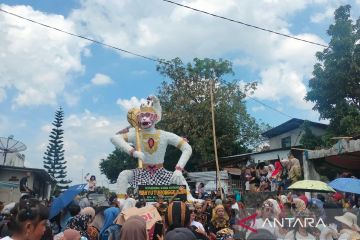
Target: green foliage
{"x":116,"y":162}
{"x":309,"y":140}
{"x":335,"y":87}
{"x":54,"y":161}
{"x":185,"y":101}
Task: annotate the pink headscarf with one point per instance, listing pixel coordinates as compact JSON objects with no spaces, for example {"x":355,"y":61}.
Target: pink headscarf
{"x":71,"y":234}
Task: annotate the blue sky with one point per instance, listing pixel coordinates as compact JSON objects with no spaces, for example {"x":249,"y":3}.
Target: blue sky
{"x":42,"y":69}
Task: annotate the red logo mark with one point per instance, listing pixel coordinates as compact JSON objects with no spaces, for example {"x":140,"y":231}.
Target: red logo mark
{"x":244,"y":220}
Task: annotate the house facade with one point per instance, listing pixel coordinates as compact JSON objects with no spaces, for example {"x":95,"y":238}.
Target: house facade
{"x":281,"y":139}
{"x":39,"y":181}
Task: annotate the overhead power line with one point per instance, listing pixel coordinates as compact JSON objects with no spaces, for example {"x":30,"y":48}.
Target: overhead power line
{"x":118,"y":49}
{"x":246,"y":24}
{"x":83,"y":37}
{"x":270,"y":107}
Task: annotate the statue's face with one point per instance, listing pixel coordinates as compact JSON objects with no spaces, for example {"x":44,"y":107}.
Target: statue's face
{"x":147,"y":119}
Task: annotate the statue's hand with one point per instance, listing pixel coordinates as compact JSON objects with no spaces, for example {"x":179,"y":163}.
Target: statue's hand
{"x":139,"y":155}
{"x":177,"y":177}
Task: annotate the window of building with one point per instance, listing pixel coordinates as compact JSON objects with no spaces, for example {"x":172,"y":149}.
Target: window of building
{"x":286,"y":142}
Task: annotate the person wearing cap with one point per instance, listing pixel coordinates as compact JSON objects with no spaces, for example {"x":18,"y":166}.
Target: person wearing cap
{"x":349,"y":228}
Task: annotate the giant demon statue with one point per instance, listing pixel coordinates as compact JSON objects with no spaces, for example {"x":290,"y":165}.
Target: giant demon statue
{"x":153,"y":144}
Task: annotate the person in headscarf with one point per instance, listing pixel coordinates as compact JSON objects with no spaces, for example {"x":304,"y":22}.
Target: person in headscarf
{"x":219,"y":220}
{"x":71,"y":234}
{"x":134,"y":228}
{"x":276,"y":175}
{"x":275,"y":206}
{"x":128,"y":203}
{"x":299,"y":204}
{"x":92,"y":233}
{"x":96,"y":225}
{"x":80,"y":223}
{"x":109,"y":216}
{"x":270,"y":170}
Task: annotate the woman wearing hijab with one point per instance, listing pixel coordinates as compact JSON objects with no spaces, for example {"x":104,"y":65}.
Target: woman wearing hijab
{"x":109,"y":216}
{"x":276,"y":175}
{"x":80,"y":223}
{"x":92,"y":233}
{"x":271,"y":169}
{"x":134,"y":228}
{"x":71,"y":234}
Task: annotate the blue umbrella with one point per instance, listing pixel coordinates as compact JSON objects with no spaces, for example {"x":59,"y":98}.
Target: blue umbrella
{"x":64,"y":199}
{"x":350,"y":185}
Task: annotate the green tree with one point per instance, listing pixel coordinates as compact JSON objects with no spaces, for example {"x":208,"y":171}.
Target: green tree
{"x":308,"y":139}
{"x":335,"y":87}
{"x":54,"y":161}
{"x":116,"y":162}
{"x":185,"y":101}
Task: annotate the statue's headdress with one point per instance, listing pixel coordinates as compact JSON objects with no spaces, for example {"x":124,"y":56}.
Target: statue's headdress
{"x":152,"y":105}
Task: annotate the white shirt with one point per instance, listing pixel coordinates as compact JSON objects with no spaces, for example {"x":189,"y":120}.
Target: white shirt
{"x":6,"y":238}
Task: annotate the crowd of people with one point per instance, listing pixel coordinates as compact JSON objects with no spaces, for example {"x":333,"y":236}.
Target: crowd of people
{"x":271,"y":177}
{"x":291,"y":216}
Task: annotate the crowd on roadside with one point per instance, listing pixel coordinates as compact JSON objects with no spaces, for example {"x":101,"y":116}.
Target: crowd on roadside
{"x":275,"y":176}
{"x":291,"y":216}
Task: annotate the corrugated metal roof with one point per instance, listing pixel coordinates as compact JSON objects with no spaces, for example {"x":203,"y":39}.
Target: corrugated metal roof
{"x":207,"y":176}
{"x":290,"y":125}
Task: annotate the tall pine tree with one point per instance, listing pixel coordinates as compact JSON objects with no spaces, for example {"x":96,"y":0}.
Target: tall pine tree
{"x":54,"y":156}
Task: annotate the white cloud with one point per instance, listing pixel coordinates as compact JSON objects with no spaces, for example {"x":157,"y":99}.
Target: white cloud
{"x":2,"y":94}
{"x":287,"y":70}
{"x":165,"y":30}
{"x":101,"y":79}
{"x":126,"y":104}
{"x":189,"y":34}
{"x":321,"y":16}
{"x":35,"y":61}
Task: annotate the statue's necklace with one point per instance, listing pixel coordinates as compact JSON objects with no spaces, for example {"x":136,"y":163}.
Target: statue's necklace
{"x":150,"y":141}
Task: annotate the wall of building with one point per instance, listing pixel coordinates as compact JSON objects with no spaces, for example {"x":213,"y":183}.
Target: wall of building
{"x":35,"y":182}
{"x":296,"y":135}
{"x":12,"y":195}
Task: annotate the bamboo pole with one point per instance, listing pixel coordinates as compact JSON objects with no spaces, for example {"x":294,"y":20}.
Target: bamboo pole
{"x":138,"y":146}
{"x":214,"y":139}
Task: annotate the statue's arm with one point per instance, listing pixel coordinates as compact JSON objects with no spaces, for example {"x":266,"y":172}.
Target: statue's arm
{"x":121,"y":141}
{"x":184,"y":146}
